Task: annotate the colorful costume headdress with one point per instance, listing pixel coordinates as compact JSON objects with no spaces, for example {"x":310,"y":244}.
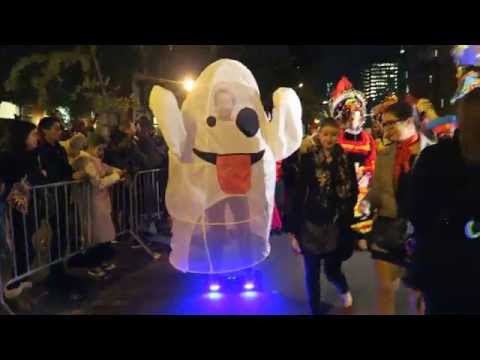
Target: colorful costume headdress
{"x":344,"y":98}
{"x":466,"y":56}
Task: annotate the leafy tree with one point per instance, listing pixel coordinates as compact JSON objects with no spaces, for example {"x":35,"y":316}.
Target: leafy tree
{"x":79,"y":78}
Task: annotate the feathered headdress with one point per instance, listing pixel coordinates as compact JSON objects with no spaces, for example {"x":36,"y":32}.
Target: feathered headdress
{"x":345,"y":97}
{"x":466,"y":56}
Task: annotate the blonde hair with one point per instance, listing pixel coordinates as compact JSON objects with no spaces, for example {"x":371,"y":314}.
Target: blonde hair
{"x":77,"y":142}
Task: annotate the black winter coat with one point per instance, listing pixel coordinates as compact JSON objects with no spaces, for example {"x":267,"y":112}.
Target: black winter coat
{"x":446,"y":195}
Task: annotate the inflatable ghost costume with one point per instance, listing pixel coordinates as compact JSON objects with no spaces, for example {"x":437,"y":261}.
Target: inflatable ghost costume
{"x":222,"y":152}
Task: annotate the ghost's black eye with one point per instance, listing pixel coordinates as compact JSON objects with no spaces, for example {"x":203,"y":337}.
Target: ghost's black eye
{"x":211,"y":121}
{"x":247,"y":122}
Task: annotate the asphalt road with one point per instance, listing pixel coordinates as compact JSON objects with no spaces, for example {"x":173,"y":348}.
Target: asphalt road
{"x":141,"y":285}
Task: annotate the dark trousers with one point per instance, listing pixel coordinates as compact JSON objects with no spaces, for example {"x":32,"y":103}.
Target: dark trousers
{"x":333,"y":271}
{"x":58,"y":245}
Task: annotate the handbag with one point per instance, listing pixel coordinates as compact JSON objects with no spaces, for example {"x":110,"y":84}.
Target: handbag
{"x":319,"y":239}
{"x":19,"y":196}
{"x":389,"y":234}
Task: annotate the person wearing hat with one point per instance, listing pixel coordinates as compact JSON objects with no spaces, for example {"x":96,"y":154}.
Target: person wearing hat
{"x":348,"y":107}
{"x":74,"y":146}
{"x":446,"y":212}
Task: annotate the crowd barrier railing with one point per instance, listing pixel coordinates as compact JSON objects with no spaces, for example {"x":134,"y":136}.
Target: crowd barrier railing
{"x":58,"y":224}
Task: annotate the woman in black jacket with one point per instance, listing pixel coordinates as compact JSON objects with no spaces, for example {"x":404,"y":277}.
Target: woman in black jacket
{"x":319,"y":223}
{"x":19,"y":163}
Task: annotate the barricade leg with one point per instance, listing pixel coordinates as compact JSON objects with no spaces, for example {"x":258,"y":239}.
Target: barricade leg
{"x":137,"y":209}
{"x":3,"y":304}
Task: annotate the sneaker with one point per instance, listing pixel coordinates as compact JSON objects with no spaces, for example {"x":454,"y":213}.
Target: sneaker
{"x":347,"y":300}
{"x":108,"y":266}
{"x":17,"y":291}
{"x":21,"y":303}
{"x":96,"y":272}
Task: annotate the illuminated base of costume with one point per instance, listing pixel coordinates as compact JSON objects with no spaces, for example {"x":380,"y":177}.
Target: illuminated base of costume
{"x":225,"y":240}
{"x":237,"y":282}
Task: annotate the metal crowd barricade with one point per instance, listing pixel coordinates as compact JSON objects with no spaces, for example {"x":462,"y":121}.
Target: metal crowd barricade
{"x":57,"y":226}
{"x":59,"y":223}
{"x":120,"y":196}
{"x":147,"y":202}
{"x":125,"y":211}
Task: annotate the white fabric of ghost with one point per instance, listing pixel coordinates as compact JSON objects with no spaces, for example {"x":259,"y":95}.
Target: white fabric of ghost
{"x":221,"y":184}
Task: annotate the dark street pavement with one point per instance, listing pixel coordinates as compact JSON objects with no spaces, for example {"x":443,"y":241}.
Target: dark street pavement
{"x":141,"y":285}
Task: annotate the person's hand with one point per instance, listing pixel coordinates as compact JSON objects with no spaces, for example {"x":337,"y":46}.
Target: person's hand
{"x":78,"y":175}
{"x":123,"y":175}
{"x":294,"y":244}
{"x":426,"y":106}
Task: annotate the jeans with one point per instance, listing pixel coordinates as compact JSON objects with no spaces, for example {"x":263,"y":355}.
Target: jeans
{"x":333,"y":271}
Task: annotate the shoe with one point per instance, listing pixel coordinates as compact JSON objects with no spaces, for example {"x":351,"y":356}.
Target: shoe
{"x":21,"y":304}
{"x":17,"y":291}
{"x":97,"y":272}
{"x":108,"y":266}
{"x":347,"y":300}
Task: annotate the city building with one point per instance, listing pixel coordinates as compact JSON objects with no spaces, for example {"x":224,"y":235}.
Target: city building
{"x":380,"y":80}
{"x":428,"y":71}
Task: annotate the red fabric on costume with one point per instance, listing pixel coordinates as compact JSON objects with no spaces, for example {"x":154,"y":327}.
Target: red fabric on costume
{"x":279,"y":170}
{"x":343,"y":85}
{"x":404,"y":153}
{"x":277,"y":220}
{"x":365,"y":145}
{"x":371,"y":159}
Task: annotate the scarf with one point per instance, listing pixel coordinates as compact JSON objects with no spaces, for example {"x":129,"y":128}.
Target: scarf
{"x":403,"y":155}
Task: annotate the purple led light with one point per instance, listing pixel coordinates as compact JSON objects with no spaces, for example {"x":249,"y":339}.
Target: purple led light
{"x":214,"y":296}
{"x":214,"y":287}
{"x":249,"y":294}
{"x":249,"y":286}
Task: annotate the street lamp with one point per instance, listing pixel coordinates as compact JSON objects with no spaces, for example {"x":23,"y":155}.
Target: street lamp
{"x":188,"y":84}
{"x":300,"y":85}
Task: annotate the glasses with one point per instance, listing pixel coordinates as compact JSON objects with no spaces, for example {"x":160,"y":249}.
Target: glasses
{"x":388,"y":124}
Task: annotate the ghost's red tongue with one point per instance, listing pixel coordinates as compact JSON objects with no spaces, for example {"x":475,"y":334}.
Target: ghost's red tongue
{"x":234,"y":173}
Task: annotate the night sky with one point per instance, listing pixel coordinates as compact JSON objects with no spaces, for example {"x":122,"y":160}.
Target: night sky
{"x":328,"y":63}
{"x":319,"y":64}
